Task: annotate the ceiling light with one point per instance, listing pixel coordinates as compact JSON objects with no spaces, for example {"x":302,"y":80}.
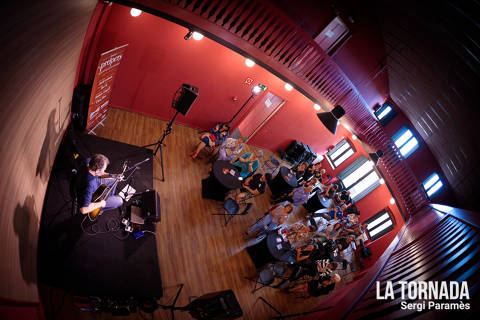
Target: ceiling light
{"x":135,"y":12}
{"x":382,"y":181}
{"x":197,"y":36}
{"x":316,"y":107}
{"x":392,"y":201}
{"x":330,"y":119}
{"x":249,"y":63}
{"x":288,"y":87}
{"x":354,"y":137}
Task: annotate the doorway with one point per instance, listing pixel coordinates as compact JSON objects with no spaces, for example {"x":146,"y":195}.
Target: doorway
{"x":261,"y":112}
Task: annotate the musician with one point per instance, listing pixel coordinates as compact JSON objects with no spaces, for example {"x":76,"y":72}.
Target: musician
{"x":92,"y":179}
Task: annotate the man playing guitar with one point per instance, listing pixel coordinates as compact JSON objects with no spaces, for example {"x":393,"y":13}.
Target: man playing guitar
{"x":90,"y":182}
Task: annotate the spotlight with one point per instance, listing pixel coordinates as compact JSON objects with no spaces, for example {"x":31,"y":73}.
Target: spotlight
{"x":188,"y":35}
{"x":375,"y":156}
{"x":197,"y":36}
{"x":316,"y":107}
{"x":249,"y":63}
{"x":382,"y":181}
{"x":330,"y":119}
{"x":135,"y":12}
{"x":288,"y":87}
{"x":354,"y":137}
{"x":392,"y":201}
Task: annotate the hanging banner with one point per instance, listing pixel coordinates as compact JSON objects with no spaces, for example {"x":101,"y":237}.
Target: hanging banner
{"x":102,"y":86}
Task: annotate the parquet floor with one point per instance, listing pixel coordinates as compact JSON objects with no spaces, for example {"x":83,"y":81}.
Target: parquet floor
{"x":194,"y":247}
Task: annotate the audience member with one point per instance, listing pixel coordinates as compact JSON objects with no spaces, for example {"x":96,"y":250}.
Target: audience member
{"x":252,"y":186}
{"x":318,"y":287}
{"x":230,"y":149}
{"x":248,"y":163}
{"x":215,"y":137}
{"x":298,"y":196}
{"x":271,"y":220}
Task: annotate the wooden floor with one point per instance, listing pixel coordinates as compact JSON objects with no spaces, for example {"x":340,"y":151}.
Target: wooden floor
{"x":194,"y":247}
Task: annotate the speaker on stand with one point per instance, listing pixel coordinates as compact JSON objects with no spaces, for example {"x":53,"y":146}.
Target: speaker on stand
{"x":183,"y":99}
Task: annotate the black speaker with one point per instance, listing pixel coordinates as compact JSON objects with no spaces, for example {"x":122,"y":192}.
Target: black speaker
{"x":221,"y":305}
{"x":80,"y":102}
{"x":150,"y":206}
{"x":185,"y":98}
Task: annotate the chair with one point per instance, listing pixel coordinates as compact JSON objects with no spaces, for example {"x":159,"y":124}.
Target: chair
{"x":266,"y":277}
{"x":271,"y":164}
{"x":231,"y":209}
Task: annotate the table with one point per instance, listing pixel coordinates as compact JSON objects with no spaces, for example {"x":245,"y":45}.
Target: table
{"x":267,"y":250}
{"x":217,"y":185}
{"x":226,"y":180}
{"x":283,"y":182}
{"x":317,"y":202}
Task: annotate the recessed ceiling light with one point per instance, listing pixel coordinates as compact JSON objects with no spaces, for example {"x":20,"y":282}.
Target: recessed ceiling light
{"x":135,"y":12}
{"x":316,"y":107}
{"x":197,"y":36}
{"x":392,"y":201}
{"x":249,"y":63}
{"x":288,"y":86}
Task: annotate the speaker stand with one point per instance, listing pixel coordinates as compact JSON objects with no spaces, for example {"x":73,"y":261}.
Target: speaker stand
{"x":172,"y":306}
{"x":284,"y":316}
{"x":159,"y":144}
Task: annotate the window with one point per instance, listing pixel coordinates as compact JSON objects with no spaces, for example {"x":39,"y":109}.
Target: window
{"x":405,"y":141}
{"x":333,"y":36}
{"x":342,"y":151}
{"x":432,"y":185}
{"x":385,"y":114}
{"x":360,"y":178}
{"x":379,"y":225}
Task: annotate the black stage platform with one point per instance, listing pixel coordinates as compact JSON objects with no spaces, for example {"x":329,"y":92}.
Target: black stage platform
{"x":102,"y":260}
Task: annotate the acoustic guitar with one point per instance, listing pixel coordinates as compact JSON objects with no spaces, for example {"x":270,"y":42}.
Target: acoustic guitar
{"x":102,"y":193}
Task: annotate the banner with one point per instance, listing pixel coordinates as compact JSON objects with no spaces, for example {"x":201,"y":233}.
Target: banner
{"x":102,"y":86}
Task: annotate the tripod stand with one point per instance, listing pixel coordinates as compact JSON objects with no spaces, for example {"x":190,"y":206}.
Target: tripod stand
{"x":159,"y":144}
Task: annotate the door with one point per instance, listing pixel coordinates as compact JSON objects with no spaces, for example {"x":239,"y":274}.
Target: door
{"x":260,"y":113}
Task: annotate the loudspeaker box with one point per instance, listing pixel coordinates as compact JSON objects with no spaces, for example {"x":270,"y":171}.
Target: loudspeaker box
{"x":185,"y":99}
{"x":150,"y":206}
{"x":221,"y":305}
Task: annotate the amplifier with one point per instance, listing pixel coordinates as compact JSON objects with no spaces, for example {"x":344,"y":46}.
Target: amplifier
{"x":150,"y":206}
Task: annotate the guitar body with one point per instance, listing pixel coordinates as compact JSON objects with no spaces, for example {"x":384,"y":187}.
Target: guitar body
{"x":99,"y":195}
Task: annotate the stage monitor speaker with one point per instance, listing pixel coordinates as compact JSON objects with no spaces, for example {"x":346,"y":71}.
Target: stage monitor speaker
{"x":221,"y":305}
{"x":185,"y":98}
{"x":80,"y":102}
{"x":150,"y":206}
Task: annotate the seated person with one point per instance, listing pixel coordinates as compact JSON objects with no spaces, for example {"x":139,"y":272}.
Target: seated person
{"x":297,"y":234}
{"x":215,"y":137}
{"x":344,"y":243}
{"x":230,"y":149}
{"x":316,"y":288}
{"x":342,"y":197}
{"x":330,"y":190}
{"x":298,"y":196}
{"x":94,"y":176}
{"x":253,"y":185}
{"x":248,"y":163}
{"x":299,"y":170}
{"x":275,"y":216}
{"x":311,"y":171}
{"x":334,"y":213}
